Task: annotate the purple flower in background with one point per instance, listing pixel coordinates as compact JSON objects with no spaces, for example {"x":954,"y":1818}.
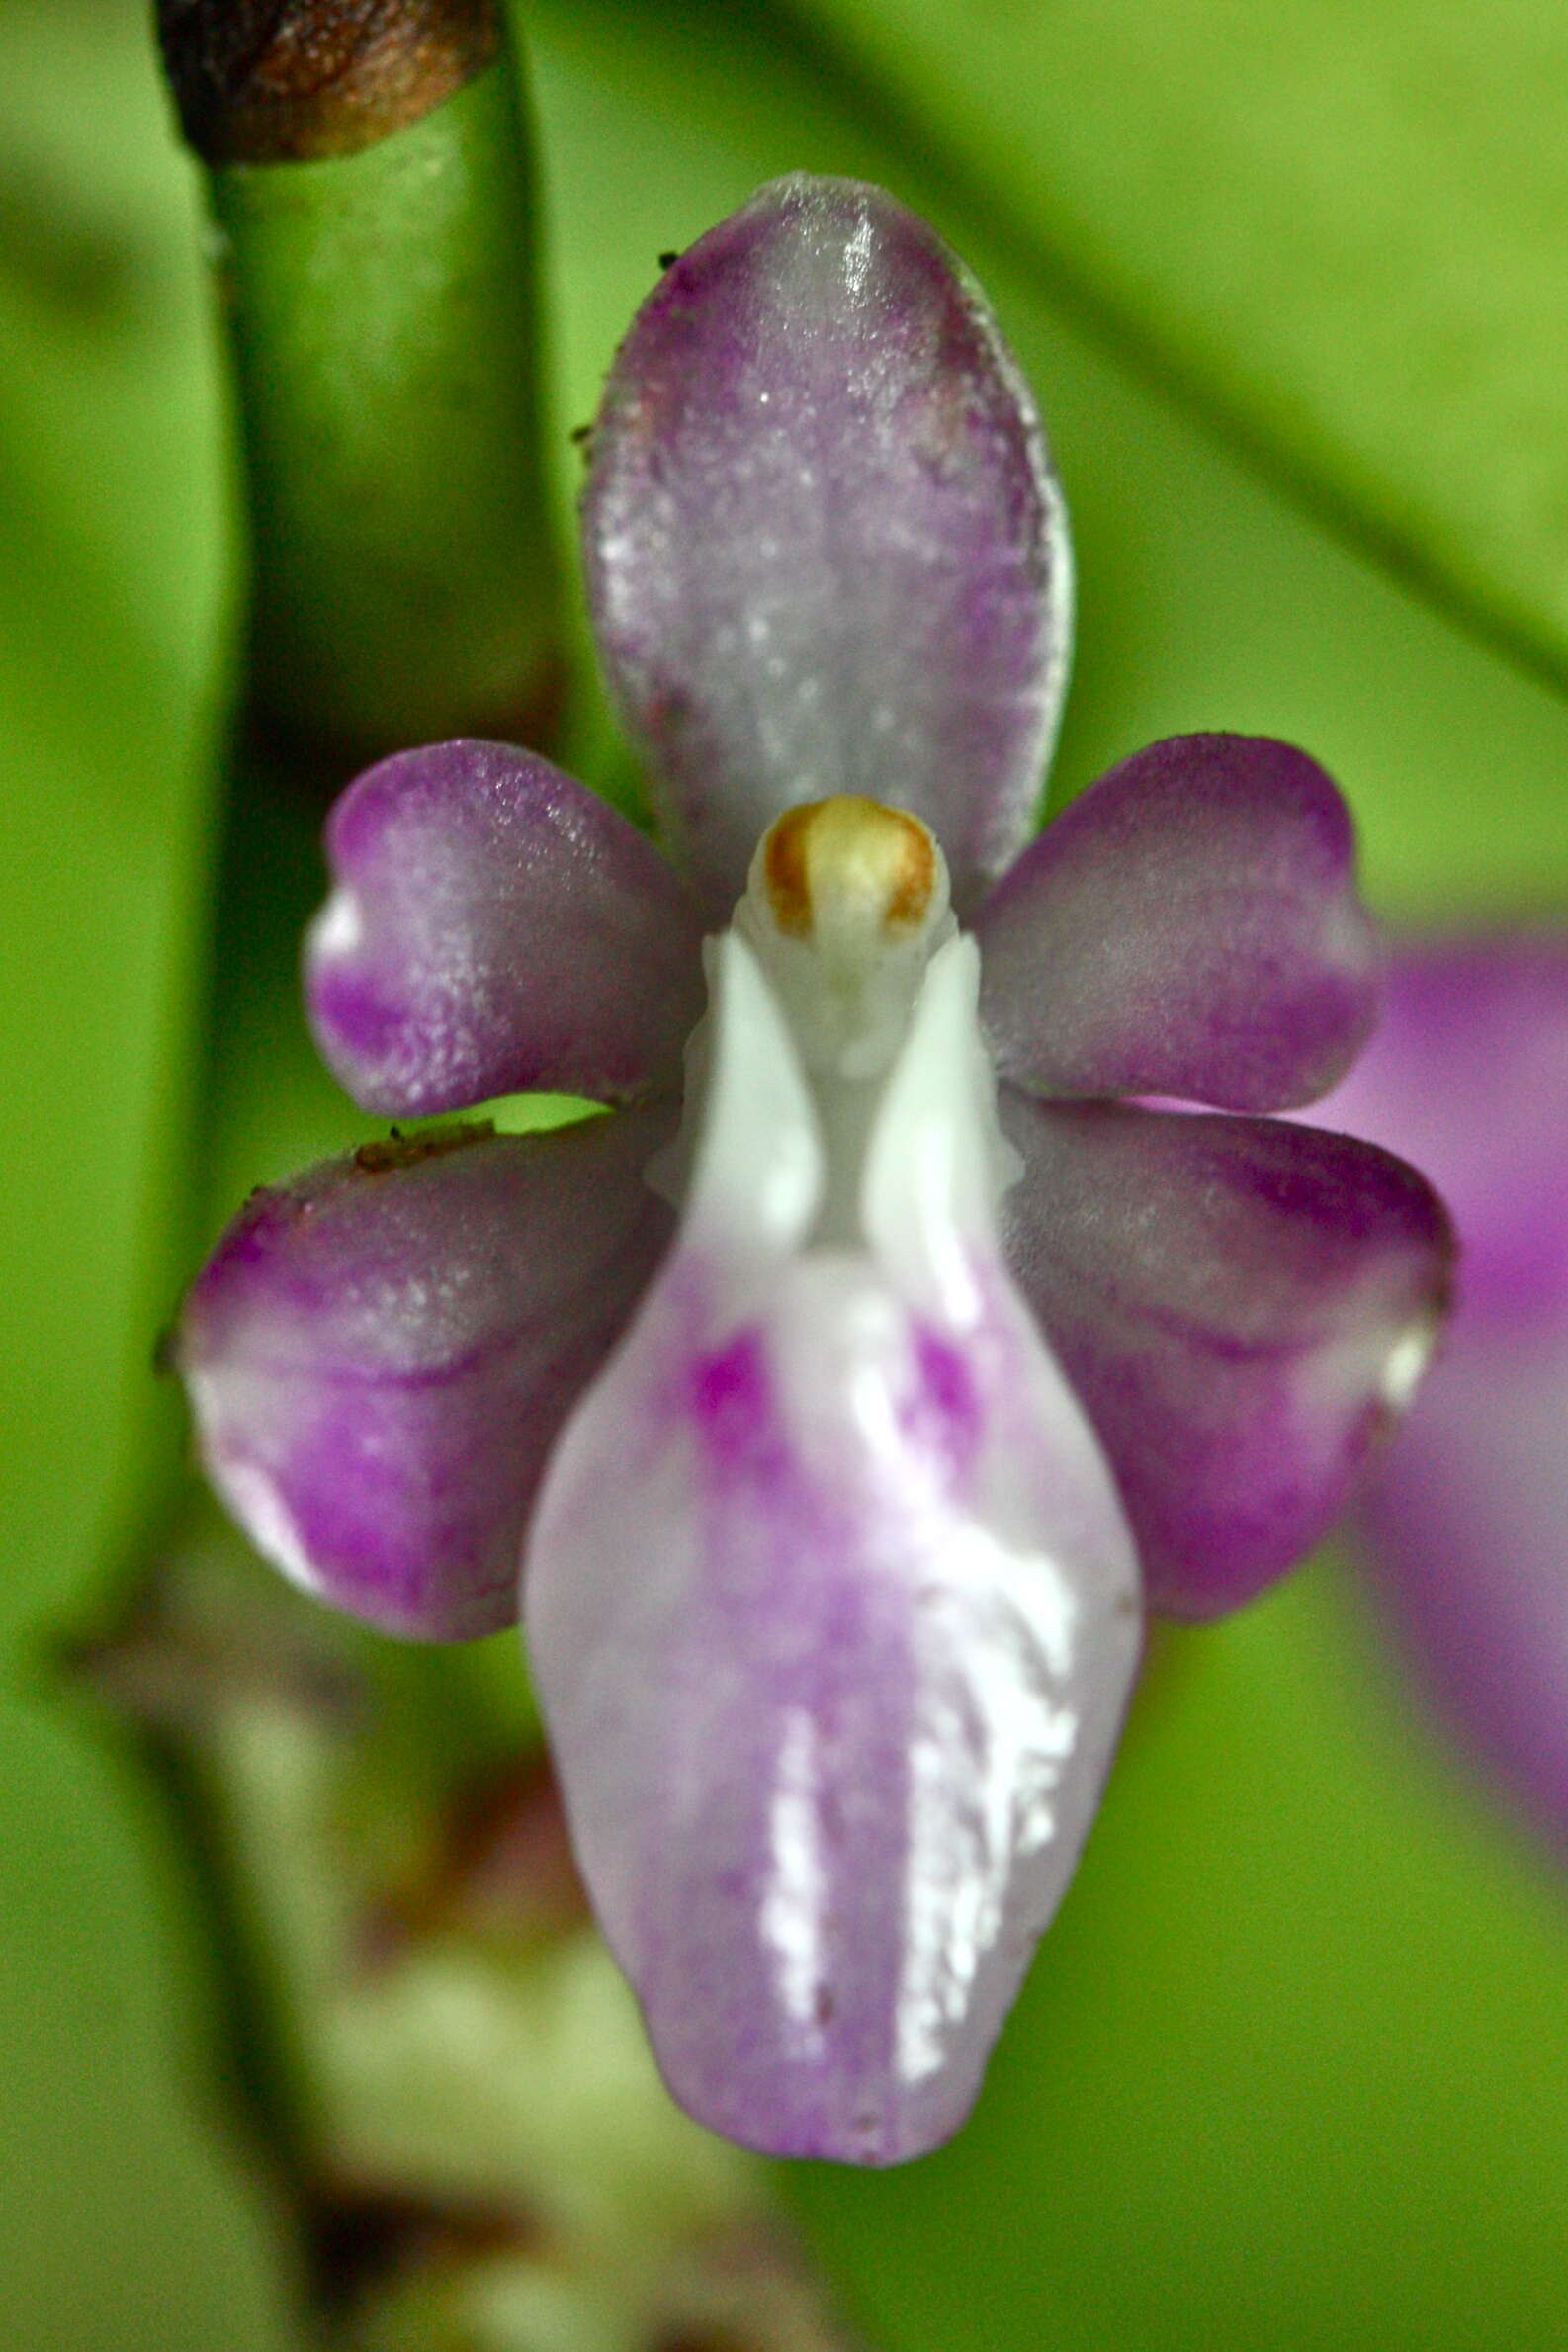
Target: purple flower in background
{"x":1464,"y":1522}
{"x":837,"y":1389}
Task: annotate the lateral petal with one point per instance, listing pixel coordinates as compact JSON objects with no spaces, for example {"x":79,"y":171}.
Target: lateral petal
{"x":379,"y":1357}
{"x":1243,"y":1307}
{"x":1188,"y":927}
{"x":1464,"y":1522}
{"x":493,"y":928}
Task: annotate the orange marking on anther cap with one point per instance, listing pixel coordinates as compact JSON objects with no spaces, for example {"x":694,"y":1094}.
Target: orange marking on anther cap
{"x":848,"y":849}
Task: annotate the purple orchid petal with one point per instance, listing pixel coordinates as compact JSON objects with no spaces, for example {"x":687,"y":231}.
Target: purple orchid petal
{"x":1190,"y":928}
{"x":826,"y":552}
{"x":1467,"y":1075}
{"x":835,"y":1662}
{"x":495,"y":928}
{"x":380,"y":1356}
{"x":1465,"y":1528}
{"x":1242,"y":1305}
{"x":1464,"y":1522}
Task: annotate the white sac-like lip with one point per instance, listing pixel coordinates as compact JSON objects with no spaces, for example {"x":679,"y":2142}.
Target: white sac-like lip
{"x":830,"y":1601}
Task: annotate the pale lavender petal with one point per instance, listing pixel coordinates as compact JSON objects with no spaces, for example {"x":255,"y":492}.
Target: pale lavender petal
{"x":1466,"y":1523}
{"x":1467,"y":1075}
{"x":1188,"y":927}
{"x":379,"y":1356}
{"x":493,"y":928}
{"x":826,"y":551}
{"x":834,"y":1662}
{"x":1243,"y":1305}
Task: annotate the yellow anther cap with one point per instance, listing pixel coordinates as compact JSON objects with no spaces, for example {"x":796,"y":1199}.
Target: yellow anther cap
{"x":848,"y":863}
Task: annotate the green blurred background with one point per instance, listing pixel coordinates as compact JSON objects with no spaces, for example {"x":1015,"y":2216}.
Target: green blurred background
{"x":1292,"y":2070}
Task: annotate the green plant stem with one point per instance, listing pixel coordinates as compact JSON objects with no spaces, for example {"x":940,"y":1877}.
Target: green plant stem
{"x":383,"y":323}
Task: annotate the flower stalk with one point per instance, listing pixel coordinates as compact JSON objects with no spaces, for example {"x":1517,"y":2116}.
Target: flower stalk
{"x":369,"y":182}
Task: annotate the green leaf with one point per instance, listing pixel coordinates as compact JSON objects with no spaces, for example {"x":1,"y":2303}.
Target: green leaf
{"x":1336,"y":224}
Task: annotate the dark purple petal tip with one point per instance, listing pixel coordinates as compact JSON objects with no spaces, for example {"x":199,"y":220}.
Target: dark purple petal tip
{"x":495,"y":928}
{"x":1188,"y":927}
{"x":826,"y":552}
{"x":1244,"y":1306}
{"x":379,"y":1355}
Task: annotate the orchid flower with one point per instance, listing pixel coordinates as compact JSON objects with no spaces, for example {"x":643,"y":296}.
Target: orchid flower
{"x":842,"y":1395}
{"x":1464,"y":1525}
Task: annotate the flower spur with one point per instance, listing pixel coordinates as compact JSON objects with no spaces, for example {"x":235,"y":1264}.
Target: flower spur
{"x":835,"y":1417}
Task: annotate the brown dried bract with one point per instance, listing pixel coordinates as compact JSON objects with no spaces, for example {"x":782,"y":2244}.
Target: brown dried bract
{"x":279,"y":81}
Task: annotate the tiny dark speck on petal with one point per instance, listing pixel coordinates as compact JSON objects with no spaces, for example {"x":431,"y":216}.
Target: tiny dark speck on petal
{"x":406,"y":1151}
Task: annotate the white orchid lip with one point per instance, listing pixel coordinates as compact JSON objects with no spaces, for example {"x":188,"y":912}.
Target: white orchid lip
{"x":831,"y":1603}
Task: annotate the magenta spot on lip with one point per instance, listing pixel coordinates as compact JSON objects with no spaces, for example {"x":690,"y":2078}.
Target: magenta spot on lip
{"x":732,"y":1398}
{"x":742,"y":1441}
{"x":944,"y":1413}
